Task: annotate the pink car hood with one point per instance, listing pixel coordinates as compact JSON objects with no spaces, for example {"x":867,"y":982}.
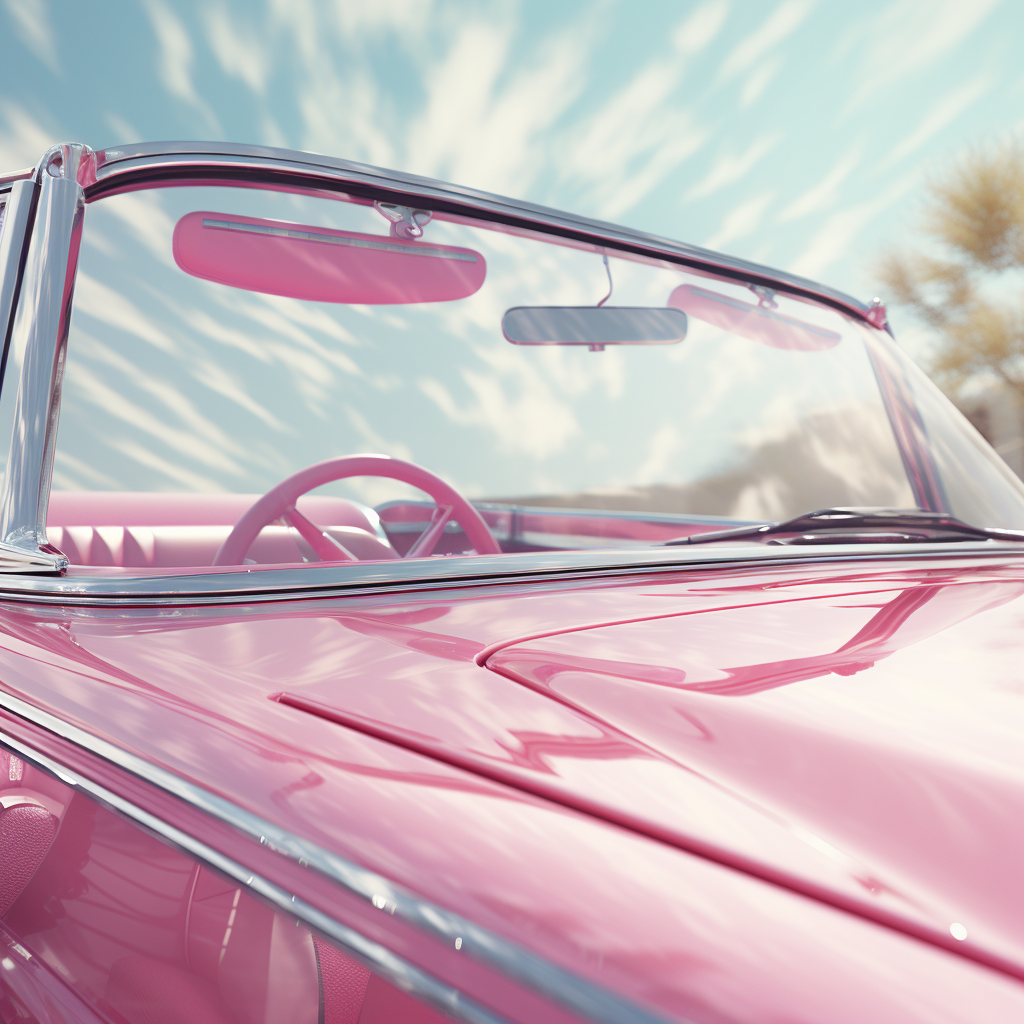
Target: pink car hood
{"x":855,"y":737}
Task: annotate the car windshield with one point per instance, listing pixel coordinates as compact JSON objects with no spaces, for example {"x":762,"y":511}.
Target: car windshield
{"x":224,"y":338}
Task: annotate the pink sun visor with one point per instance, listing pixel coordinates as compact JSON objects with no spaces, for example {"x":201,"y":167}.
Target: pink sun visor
{"x":759,"y":323}
{"x":322,"y":264}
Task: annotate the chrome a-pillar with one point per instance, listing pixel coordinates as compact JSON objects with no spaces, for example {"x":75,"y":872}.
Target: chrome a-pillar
{"x":39,"y":334}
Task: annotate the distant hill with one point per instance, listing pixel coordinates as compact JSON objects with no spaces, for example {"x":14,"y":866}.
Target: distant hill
{"x":836,"y":458}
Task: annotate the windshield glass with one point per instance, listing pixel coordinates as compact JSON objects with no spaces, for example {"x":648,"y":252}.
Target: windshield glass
{"x":225,"y":338}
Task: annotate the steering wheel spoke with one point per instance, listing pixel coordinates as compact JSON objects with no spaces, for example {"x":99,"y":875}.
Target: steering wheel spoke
{"x":281,"y":500}
{"x":427,"y":540}
{"x":326,"y":547}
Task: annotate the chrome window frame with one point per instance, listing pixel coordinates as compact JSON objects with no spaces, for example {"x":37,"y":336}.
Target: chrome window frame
{"x":18,"y":197}
{"x":39,"y":322}
{"x":71,"y":175}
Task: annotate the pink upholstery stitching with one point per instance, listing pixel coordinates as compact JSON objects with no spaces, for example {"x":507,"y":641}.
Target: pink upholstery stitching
{"x":343,"y":982}
{"x":26,"y":834}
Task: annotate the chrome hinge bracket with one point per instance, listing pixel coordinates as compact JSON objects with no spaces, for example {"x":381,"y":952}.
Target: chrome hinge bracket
{"x":406,"y":222}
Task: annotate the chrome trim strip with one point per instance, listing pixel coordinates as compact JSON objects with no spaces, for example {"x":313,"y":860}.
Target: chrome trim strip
{"x":514,"y":511}
{"x":18,"y":209}
{"x":553,"y":982}
{"x":406,"y":249}
{"x":40,"y":331}
{"x":253,"y":586}
{"x":375,"y":956}
{"x":6,"y":177}
{"x":166,"y":159}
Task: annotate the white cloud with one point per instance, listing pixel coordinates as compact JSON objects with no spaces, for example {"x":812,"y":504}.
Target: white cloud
{"x":123,"y":131}
{"x":696,"y":32}
{"x":759,"y":80}
{"x":205,"y":442}
{"x":666,"y":157}
{"x":145,"y":217}
{"x":301,"y":20}
{"x":665,"y":448}
{"x":835,"y":237}
{"x":491,"y":113}
{"x":514,"y":405}
{"x":23,"y":140}
{"x":272,"y":134}
{"x":409,"y":18}
{"x":161,"y":405}
{"x":819,"y":196}
{"x":508,"y":150}
{"x":238,"y":49}
{"x":373,"y":440}
{"x":229,"y":386}
{"x":175,"y":60}
{"x":459,"y":96}
{"x":243,"y":340}
{"x":729,"y":169}
{"x":317,"y":26}
{"x":69,"y":471}
{"x":832,"y":239}
{"x":941,"y":114}
{"x":174,"y":471}
{"x":344,"y":101}
{"x":101,"y":302}
{"x":741,"y":221}
{"x":32,"y":23}
{"x":309,"y":363}
{"x":487,"y":120}
{"x":781,"y":23}
{"x":632,"y":143}
{"x":345,"y":116}
{"x":910,"y":36}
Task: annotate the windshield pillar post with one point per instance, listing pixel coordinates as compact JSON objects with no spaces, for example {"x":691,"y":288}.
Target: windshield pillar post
{"x":39,"y":335}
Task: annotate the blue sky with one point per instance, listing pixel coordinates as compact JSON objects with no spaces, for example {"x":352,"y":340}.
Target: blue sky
{"x":798,"y":133}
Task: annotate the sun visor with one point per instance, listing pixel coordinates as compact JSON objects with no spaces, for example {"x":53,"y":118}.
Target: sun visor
{"x":322,"y":264}
{"x":759,"y":323}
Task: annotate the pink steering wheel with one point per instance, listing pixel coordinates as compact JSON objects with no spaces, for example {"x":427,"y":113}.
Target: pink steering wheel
{"x":280,"y":501}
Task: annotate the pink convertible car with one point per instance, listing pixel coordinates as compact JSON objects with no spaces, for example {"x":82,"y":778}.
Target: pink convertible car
{"x":437,"y":607}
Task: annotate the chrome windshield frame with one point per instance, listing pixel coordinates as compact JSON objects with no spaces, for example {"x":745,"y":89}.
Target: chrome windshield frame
{"x":39,"y":323}
{"x":70,"y":176}
{"x":18,"y":197}
{"x":123,"y":167}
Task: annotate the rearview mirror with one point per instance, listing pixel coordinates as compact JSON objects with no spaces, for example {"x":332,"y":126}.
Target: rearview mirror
{"x":322,"y":264}
{"x":593,"y":326}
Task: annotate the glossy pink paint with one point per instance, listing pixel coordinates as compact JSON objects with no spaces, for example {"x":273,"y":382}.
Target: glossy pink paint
{"x":141,"y":932}
{"x":562,"y":803}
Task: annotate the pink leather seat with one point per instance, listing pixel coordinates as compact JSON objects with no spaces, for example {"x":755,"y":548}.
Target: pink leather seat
{"x":143,"y":530}
{"x":342,"y":984}
{"x":27,"y":831}
{"x":352,"y":995}
{"x":148,"y":991}
{"x":144,"y":508}
{"x":154,"y":938}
